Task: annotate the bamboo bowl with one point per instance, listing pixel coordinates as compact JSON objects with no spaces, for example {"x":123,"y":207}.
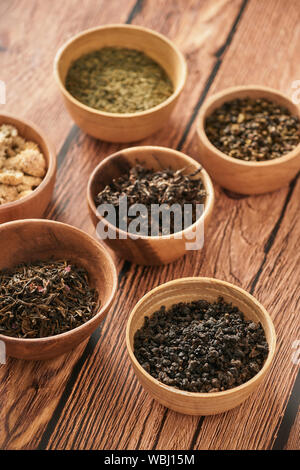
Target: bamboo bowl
{"x":26,"y":241}
{"x":237,"y":175}
{"x":187,"y":290}
{"x":147,"y":250}
{"x":115,"y":127}
{"x":34,"y":205}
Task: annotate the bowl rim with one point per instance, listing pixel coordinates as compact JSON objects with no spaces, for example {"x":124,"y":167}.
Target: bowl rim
{"x":226,"y":93}
{"x":13,"y":340}
{"x":208,"y":205}
{"x":207,"y":395}
{"x":177,"y":90}
{"x":51,"y":164}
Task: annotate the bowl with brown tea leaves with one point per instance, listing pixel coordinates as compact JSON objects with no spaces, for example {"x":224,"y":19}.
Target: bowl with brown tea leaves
{"x":56,"y":286}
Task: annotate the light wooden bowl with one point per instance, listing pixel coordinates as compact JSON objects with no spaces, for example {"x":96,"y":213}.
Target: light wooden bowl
{"x":26,"y":241}
{"x":187,"y":290}
{"x":147,"y":250}
{"x":237,"y":175}
{"x":34,"y":205}
{"x":115,"y":127}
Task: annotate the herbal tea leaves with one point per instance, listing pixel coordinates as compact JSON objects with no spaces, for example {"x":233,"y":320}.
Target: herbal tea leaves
{"x":253,"y":129}
{"x":118,"y":80}
{"x":45,"y":299}
{"x":164,"y":187}
{"x":201,"y":346}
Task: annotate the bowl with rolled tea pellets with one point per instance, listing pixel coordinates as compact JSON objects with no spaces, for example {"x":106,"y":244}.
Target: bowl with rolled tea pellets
{"x":56,"y":286}
{"x":27,"y":169}
{"x":120,"y":83}
{"x":249,"y":139}
{"x":151,"y":205}
{"x":200,"y":346}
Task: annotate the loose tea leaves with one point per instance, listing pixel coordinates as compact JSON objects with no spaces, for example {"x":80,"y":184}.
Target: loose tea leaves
{"x":149,"y":187}
{"x":253,"y":129}
{"x":118,"y":80}
{"x":45,"y":299}
{"x":201,"y":346}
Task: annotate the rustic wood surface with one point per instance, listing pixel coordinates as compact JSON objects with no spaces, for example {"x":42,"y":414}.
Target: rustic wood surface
{"x":89,"y":398}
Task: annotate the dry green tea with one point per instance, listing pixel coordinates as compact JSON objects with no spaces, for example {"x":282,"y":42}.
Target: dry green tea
{"x":164,"y":187}
{"x":45,"y":299}
{"x":201,"y":346}
{"x":118,"y":80}
{"x":253,"y":129}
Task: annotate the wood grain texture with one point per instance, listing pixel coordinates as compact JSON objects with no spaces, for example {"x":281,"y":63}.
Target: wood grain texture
{"x":238,"y":175}
{"x":27,"y":54}
{"x":90,"y":398}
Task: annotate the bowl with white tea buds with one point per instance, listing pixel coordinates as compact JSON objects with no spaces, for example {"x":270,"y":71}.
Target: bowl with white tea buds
{"x":27,"y":169}
{"x":150,"y":204}
{"x":200,"y":346}
{"x":249,"y":139}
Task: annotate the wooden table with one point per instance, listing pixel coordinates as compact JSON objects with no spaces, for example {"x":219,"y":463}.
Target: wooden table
{"x":90,"y":399}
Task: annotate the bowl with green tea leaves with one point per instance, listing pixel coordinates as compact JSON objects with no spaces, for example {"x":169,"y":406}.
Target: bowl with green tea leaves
{"x":120,"y":83}
{"x":249,"y":139}
{"x":56,"y":286}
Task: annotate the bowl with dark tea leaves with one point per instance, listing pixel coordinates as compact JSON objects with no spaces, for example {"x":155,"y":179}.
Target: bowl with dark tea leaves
{"x":120,"y":83}
{"x":200,"y":346}
{"x":249,"y":139}
{"x":151,"y":205}
{"x":56,"y":284}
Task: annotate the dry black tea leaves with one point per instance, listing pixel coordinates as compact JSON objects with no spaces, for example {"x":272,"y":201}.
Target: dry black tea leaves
{"x":148,"y":187}
{"x":253,"y":129}
{"x":201,"y":346}
{"x":118,"y":80}
{"x":45,"y":299}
